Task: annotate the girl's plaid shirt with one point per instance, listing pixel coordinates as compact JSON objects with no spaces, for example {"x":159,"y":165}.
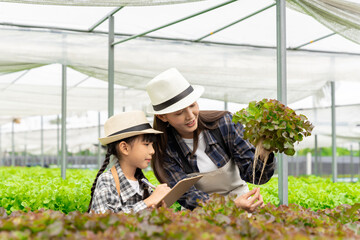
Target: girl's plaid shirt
{"x":107,"y":198}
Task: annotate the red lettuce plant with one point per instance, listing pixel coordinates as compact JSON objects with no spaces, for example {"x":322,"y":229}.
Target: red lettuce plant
{"x":271,"y":126}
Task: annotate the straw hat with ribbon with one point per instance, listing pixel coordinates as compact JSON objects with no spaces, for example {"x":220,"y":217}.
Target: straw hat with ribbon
{"x":124,"y":125}
{"x":170,"y":91}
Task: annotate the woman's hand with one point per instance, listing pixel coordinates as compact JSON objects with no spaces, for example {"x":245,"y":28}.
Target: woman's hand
{"x":263,"y":153}
{"x":159,"y":192}
{"x":250,"y":200}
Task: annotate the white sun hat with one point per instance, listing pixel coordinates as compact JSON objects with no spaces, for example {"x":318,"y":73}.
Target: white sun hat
{"x":170,"y":91}
{"x":124,"y":125}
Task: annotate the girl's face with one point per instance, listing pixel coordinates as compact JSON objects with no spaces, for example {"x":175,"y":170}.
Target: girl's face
{"x":140,"y":153}
{"x":185,"y":121}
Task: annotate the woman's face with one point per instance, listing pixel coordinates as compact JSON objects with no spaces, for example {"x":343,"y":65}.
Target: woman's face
{"x":185,"y":121}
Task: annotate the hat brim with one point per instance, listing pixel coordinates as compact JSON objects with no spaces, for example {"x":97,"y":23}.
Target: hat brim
{"x":106,"y":140}
{"x":183,"y":103}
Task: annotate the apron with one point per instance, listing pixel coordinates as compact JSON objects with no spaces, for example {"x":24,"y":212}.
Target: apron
{"x":225,"y":180}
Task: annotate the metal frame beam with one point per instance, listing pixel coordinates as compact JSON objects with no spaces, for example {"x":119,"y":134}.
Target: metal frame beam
{"x":313,"y":41}
{"x":104,"y":18}
{"x":15,"y":80}
{"x":233,"y":23}
{"x":177,"y":39}
{"x":77,"y":84}
{"x":174,"y":22}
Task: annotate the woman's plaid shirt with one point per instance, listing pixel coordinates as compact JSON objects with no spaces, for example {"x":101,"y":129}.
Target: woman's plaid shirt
{"x":242,"y":151}
{"x":107,"y":198}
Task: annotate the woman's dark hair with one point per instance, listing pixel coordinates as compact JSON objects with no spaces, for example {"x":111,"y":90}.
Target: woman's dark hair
{"x":112,"y":150}
{"x":206,"y":120}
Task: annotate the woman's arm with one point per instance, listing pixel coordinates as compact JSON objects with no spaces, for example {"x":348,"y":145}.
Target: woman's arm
{"x":175,"y":173}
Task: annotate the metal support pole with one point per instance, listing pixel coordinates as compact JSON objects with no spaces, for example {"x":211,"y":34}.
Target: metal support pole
{"x":67,"y":162}
{"x":351,"y":163}
{"x":111,"y":68}
{"x":1,"y":155}
{"x":316,"y":156}
{"x":58,"y":141}
{"x":359,"y":163}
{"x":12,"y":144}
{"x":63,"y":123}
{"x":99,"y":144}
{"x":333,"y":133}
{"x":42,"y":141}
{"x":225,"y":102}
{"x":281,"y":91}
{"x":297,"y":167}
{"x":25,"y":156}
{"x":80,"y":159}
{"x":320,"y":164}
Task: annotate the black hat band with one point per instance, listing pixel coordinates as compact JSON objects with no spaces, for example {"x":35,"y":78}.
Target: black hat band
{"x":173,"y":100}
{"x":140,"y":127}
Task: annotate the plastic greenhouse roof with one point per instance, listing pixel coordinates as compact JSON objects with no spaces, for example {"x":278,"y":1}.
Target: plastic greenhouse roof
{"x":236,"y":65}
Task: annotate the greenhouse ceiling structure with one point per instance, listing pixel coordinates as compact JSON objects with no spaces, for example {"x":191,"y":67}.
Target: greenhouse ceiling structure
{"x":230,"y":50}
{"x":233,"y":48}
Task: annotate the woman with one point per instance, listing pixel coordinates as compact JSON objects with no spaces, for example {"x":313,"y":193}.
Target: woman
{"x":205,"y":142}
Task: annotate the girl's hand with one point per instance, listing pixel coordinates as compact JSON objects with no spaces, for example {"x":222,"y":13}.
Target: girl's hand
{"x":159,"y":192}
{"x":250,"y":200}
{"x":163,"y":204}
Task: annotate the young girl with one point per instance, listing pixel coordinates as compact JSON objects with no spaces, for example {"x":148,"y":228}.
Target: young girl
{"x":205,"y":142}
{"x":130,"y":141}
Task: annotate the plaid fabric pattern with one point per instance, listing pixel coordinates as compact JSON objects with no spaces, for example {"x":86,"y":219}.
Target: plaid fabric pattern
{"x":242,"y":151}
{"x":107,"y":198}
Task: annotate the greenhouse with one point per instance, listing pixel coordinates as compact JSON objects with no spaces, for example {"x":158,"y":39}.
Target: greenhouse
{"x":66,"y":66}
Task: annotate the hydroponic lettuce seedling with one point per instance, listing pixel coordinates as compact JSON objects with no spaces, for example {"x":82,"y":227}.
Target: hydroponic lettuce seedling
{"x":272,"y":127}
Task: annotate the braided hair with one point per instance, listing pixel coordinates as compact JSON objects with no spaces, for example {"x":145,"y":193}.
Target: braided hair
{"x":112,"y":150}
{"x":140,"y":175}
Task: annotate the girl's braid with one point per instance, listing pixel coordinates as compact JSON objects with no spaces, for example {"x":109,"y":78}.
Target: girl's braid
{"x":102,"y":169}
{"x":139,"y":175}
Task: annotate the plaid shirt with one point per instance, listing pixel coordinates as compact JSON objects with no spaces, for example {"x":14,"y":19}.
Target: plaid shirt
{"x":242,"y":151}
{"x":107,"y":198}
